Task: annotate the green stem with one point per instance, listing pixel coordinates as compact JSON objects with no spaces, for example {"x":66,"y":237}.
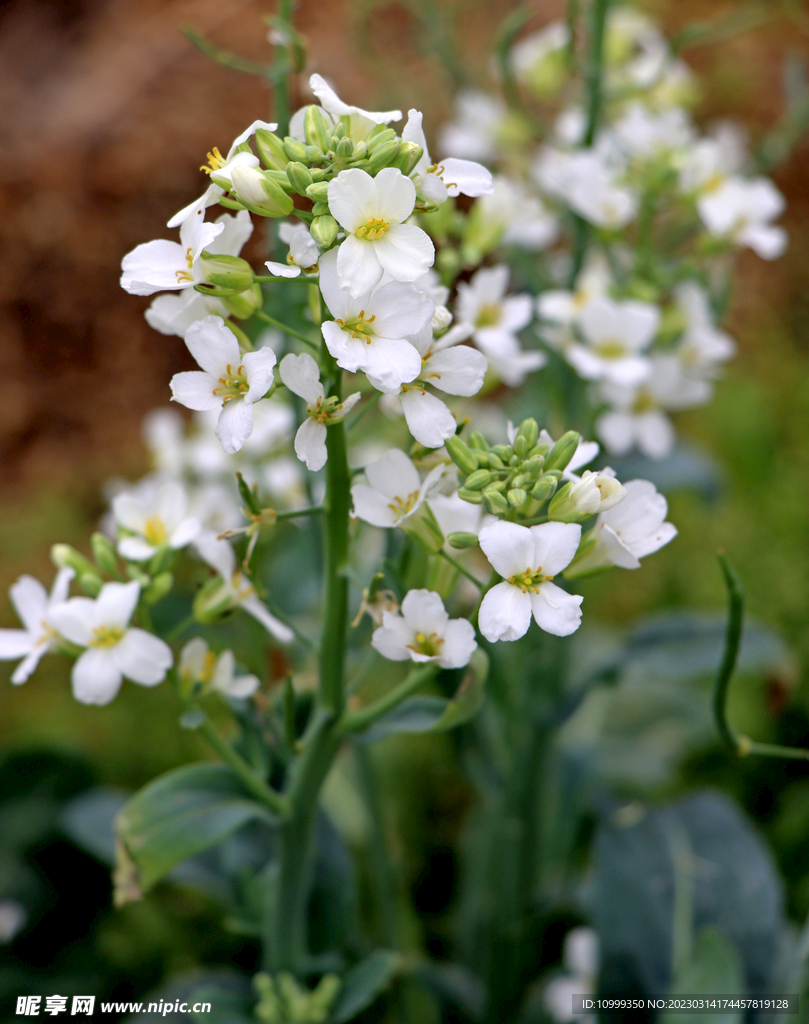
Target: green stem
{"x":357,"y":720}
{"x":275,"y":801}
{"x":287,"y":330}
{"x":464,"y":572}
{"x":368,"y":405}
{"x":313,"y":510}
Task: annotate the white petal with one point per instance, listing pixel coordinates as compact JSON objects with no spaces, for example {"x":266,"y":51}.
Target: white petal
{"x":129,"y":511}
{"x":258,"y":369}
{"x":424,"y":612}
{"x":310,"y":443}
{"x":235,"y":425}
{"x":142,"y":657}
{"x":393,"y":475}
{"x":459,"y":644}
{"x":217,"y":553}
{"x":213,"y":345}
{"x":282,"y":269}
{"x":655,"y":434}
{"x":192,"y":658}
{"x":136,"y":549}
{"x":458,"y":371}
{"x":617,"y":431}
{"x":352,"y":199}
{"x":404,"y":251}
{"x":116,"y":603}
{"x":262,"y":614}
{"x":195,"y":390}
{"x":392,"y":362}
{"x":396,"y":195}
{"x":23,"y":672}
{"x":15,"y":643}
{"x":428,"y":418}
{"x":465,"y":177}
{"x":240,"y":686}
{"x":61,"y":585}
{"x":186,"y":531}
{"x":358,"y":267}
{"x":505,"y":613}
{"x":236,"y":231}
{"x":75,"y":619}
{"x":555,"y":544}
{"x":654,"y":541}
{"x":208,"y":198}
{"x":400,"y":310}
{"x":302,"y":376}
{"x":337,"y":299}
{"x":248,"y":133}
{"x":153,"y":267}
{"x":95,"y":676}
{"x":516,"y":312}
{"x":509,"y":548}
{"x":392,"y":639}
{"x":372,"y":507}
{"x":196,"y":235}
{"x":555,"y":610}
{"x":30,"y":600}
{"x":767,"y":241}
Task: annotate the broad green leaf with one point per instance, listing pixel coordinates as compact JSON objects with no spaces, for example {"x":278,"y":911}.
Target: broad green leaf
{"x":363,"y":983}
{"x":714,"y":968}
{"x":180,"y":814}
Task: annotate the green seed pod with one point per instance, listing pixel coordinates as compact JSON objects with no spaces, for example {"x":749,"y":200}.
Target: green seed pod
{"x":408,"y":156}
{"x":315,"y":155}
{"x":461,"y":541}
{"x":104,"y":553}
{"x":473,"y":497}
{"x":495,"y":462}
{"x":563,"y":451}
{"x":478,"y":480}
{"x":516,"y":497}
{"x":460,"y":454}
{"x":230,"y":274}
{"x":294,"y":150}
{"x":271,"y":150}
{"x":324,"y":230}
{"x":159,"y":587}
{"x":544,"y":488}
{"x":299,"y":177}
{"x":478,"y":441}
{"x":521,"y":447}
{"x":494,"y":502}
{"x":318,"y":192}
{"x":383,"y":156}
{"x":316,"y":128}
{"x":529,"y":430}
{"x":345,"y":148}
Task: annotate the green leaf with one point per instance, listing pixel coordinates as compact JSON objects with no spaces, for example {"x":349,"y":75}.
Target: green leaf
{"x":181,"y":814}
{"x":363,"y":983}
{"x":714,"y":967}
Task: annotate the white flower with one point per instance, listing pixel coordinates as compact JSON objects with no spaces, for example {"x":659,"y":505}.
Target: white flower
{"x":358,"y":122}
{"x":560,"y":306}
{"x":741,"y":210}
{"x":303,"y":255}
{"x":369,"y":330}
{"x":588,"y":185}
{"x":708,"y":163}
{"x":222,"y":168}
{"x":520,"y":217}
{"x":302,"y":376}
{"x":113,"y":648}
{"x":169,"y":266}
{"x":158,"y":523}
{"x":424,"y":632}
{"x":647,"y":134}
{"x":174,"y":314}
{"x":484,"y":304}
{"x":626,"y":533}
{"x":591,"y":493}
{"x":528,"y":558}
{"x":394,"y":491}
{"x":228,"y":380}
{"x":616,"y":333}
{"x":199,"y":665}
{"x":455,"y":515}
{"x":580,"y":957}
{"x":34,"y":606}
{"x":530,"y":54}
{"x":702,"y":345}
{"x":238,"y":589}
{"x":450,"y":177}
{"x":372,"y":211}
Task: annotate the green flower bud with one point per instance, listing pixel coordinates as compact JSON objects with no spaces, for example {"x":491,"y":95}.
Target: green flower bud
{"x":159,"y":587}
{"x":319,"y":173}
{"x":324,"y":230}
{"x":338,"y":131}
{"x":318,"y":192}
{"x":316,"y":128}
{"x":459,"y":453}
{"x":104,"y":553}
{"x":563,"y":451}
{"x":521,"y":447}
{"x":494,"y":502}
{"x":516,"y":497}
{"x":539,"y":449}
{"x":495,"y":462}
{"x":379,"y":136}
{"x":383,"y":156}
{"x":294,"y":150}
{"x":315,"y":155}
{"x":271,"y":150}
{"x":320,"y":209}
{"x":519,"y":480}
{"x":462,"y":540}
{"x":533,"y":465}
{"x":477,"y":440}
{"x":544,"y":488}
{"x":473,"y":497}
{"x":360,"y":151}
{"x":244,"y":305}
{"x":408,"y":156}
{"x":299,"y":177}
{"x":345,"y":148}
{"x":63,"y":555}
{"x":91,"y":583}
{"x":212,"y":601}
{"x":230,"y":275}
{"x":504,"y":451}
{"x":478,"y":480}
{"x":260,"y":192}
{"x":529,"y":429}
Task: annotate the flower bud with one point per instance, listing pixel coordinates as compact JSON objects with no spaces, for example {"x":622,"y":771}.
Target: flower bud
{"x":64,"y":556}
{"x":318,"y":192}
{"x":379,"y":136}
{"x":244,"y":305}
{"x":345,"y":148}
{"x":478,"y":480}
{"x":104,"y":553}
{"x":408,"y":156}
{"x":503,"y":451}
{"x":294,"y":150}
{"x":563,"y":451}
{"x":212,"y":601}
{"x":260,"y":193}
{"x":533,"y":465}
{"x":360,"y":151}
{"x":271,"y":150}
{"x":324,"y":230}
{"x":544,"y":488}
{"x":494,"y":502}
{"x":460,"y":454}
{"x":473,"y":497}
{"x":319,"y":173}
{"x":495,"y":462}
{"x":299,"y":177}
{"x":529,"y":429}
{"x":320,"y":209}
{"x":516,"y":497}
{"x":442,"y":318}
{"x":316,"y":128}
{"x":383,"y":156}
{"x":228,"y":274}
{"x":521,"y":446}
{"x":593,"y":493}
{"x":477,"y":440}
{"x":91,"y":583}
{"x":159,"y":587}
{"x":315,"y":155}
{"x":462,"y":540}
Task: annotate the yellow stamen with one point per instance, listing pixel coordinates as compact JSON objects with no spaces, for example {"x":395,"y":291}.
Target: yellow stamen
{"x":215,"y":161}
{"x":155,"y":531}
{"x":106,"y":636}
{"x":372,"y":229}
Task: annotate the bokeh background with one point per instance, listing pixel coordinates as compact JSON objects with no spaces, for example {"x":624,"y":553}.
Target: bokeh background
{"x":106,"y":112}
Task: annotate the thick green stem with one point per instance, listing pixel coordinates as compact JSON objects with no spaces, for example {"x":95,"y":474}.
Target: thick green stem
{"x":260,"y":790}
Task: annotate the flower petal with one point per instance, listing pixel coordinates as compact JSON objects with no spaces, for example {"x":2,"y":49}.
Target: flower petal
{"x":509,"y":548}
{"x":459,"y":644}
{"x":393,"y":475}
{"x":282,"y":269}
{"x":75,"y":619}
{"x":555,"y":544}
{"x":310,"y":443}
{"x":143,"y":657}
{"x":392,"y":638}
{"x":136,"y":549}
{"x":213,"y":345}
{"x":15,"y":643}
{"x":372,"y":507}
{"x":116,"y":603}
{"x":235,"y":425}
{"x":195,"y":390}
{"x":458,"y":371}
{"x":428,"y":418}
{"x":505,"y":613}
{"x":262,"y":614}
{"x":352,"y":198}
{"x":258,"y":368}
{"x":23,"y":672}
{"x":358,"y":266}
{"x":424,"y":612}
{"x":30,"y":600}
{"x":302,"y":376}
{"x":396,"y":195}
{"x":153,"y":267}
{"x":404,"y":251}
{"x":555,"y":610}
{"x":392,"y":362}
{"x":95,"y":676}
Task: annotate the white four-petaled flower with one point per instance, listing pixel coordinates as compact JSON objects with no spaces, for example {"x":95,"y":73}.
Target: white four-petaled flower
{"x":200,"y":665}
{"x":169,"y":266}
{"x":155,"y":524}
{"x":447,"y":178}
{"x":33,"y":604}
{"x":424,"y":632}
{"x":394,"y":491}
